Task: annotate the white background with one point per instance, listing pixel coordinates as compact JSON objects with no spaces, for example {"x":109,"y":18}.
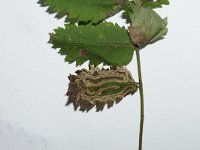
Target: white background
{"x":33,"y":81}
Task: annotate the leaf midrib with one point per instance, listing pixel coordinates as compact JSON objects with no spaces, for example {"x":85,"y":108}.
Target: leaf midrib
{"x":102,"y":44}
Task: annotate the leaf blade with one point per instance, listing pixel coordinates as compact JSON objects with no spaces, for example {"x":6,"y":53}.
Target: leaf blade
{"x":95,"y":10}
{"x":155,"y":4}
{"x":146,"y":26}
{"x":105,"y":43}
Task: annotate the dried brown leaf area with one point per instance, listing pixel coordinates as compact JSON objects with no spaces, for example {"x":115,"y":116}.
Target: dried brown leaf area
{"x":99,"y":87}
{"x":138,"y":36}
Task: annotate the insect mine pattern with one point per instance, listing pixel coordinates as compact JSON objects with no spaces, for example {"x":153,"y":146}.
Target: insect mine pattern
{"x":98,"y":87}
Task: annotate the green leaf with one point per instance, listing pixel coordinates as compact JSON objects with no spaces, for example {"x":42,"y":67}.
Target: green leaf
{"x":146,"y":26}
{"x":83,"y":10}
{"x":138,"y":2}
{"x":106,"y":43}
{"x":151,"y":3}
{"x":155,"y":4}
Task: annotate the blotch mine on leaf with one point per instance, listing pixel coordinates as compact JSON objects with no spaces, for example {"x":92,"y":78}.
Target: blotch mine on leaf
{"x":99,"y":87}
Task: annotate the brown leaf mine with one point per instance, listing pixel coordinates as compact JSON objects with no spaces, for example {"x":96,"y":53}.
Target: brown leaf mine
{"x":99,"y":87}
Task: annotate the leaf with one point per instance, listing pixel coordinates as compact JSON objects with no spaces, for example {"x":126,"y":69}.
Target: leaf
{"x":138,"y":2}
{"x":146,"y":26}
{"x":83,"y":10}
{"x":155,"y":4}
{"x":106,"y":43}
{"x":99,"y":87}
{"x":151,"y":3}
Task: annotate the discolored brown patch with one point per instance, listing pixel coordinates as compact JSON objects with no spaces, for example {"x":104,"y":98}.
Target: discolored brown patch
{"x":82,"y":53}
{"x":99,"y":87}
{"x":119,"y":2}
{"x":137,"y":36}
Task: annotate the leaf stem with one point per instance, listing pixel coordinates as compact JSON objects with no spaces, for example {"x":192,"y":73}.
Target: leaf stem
{"x":141,"y":99}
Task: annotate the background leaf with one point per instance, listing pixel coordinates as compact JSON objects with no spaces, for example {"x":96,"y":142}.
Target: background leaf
{"x":151,"y":3}
{"x":106,"y":43}
{"x":146,"y":26}
{"x":83,"y":10}
{"x":155,"y":4}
